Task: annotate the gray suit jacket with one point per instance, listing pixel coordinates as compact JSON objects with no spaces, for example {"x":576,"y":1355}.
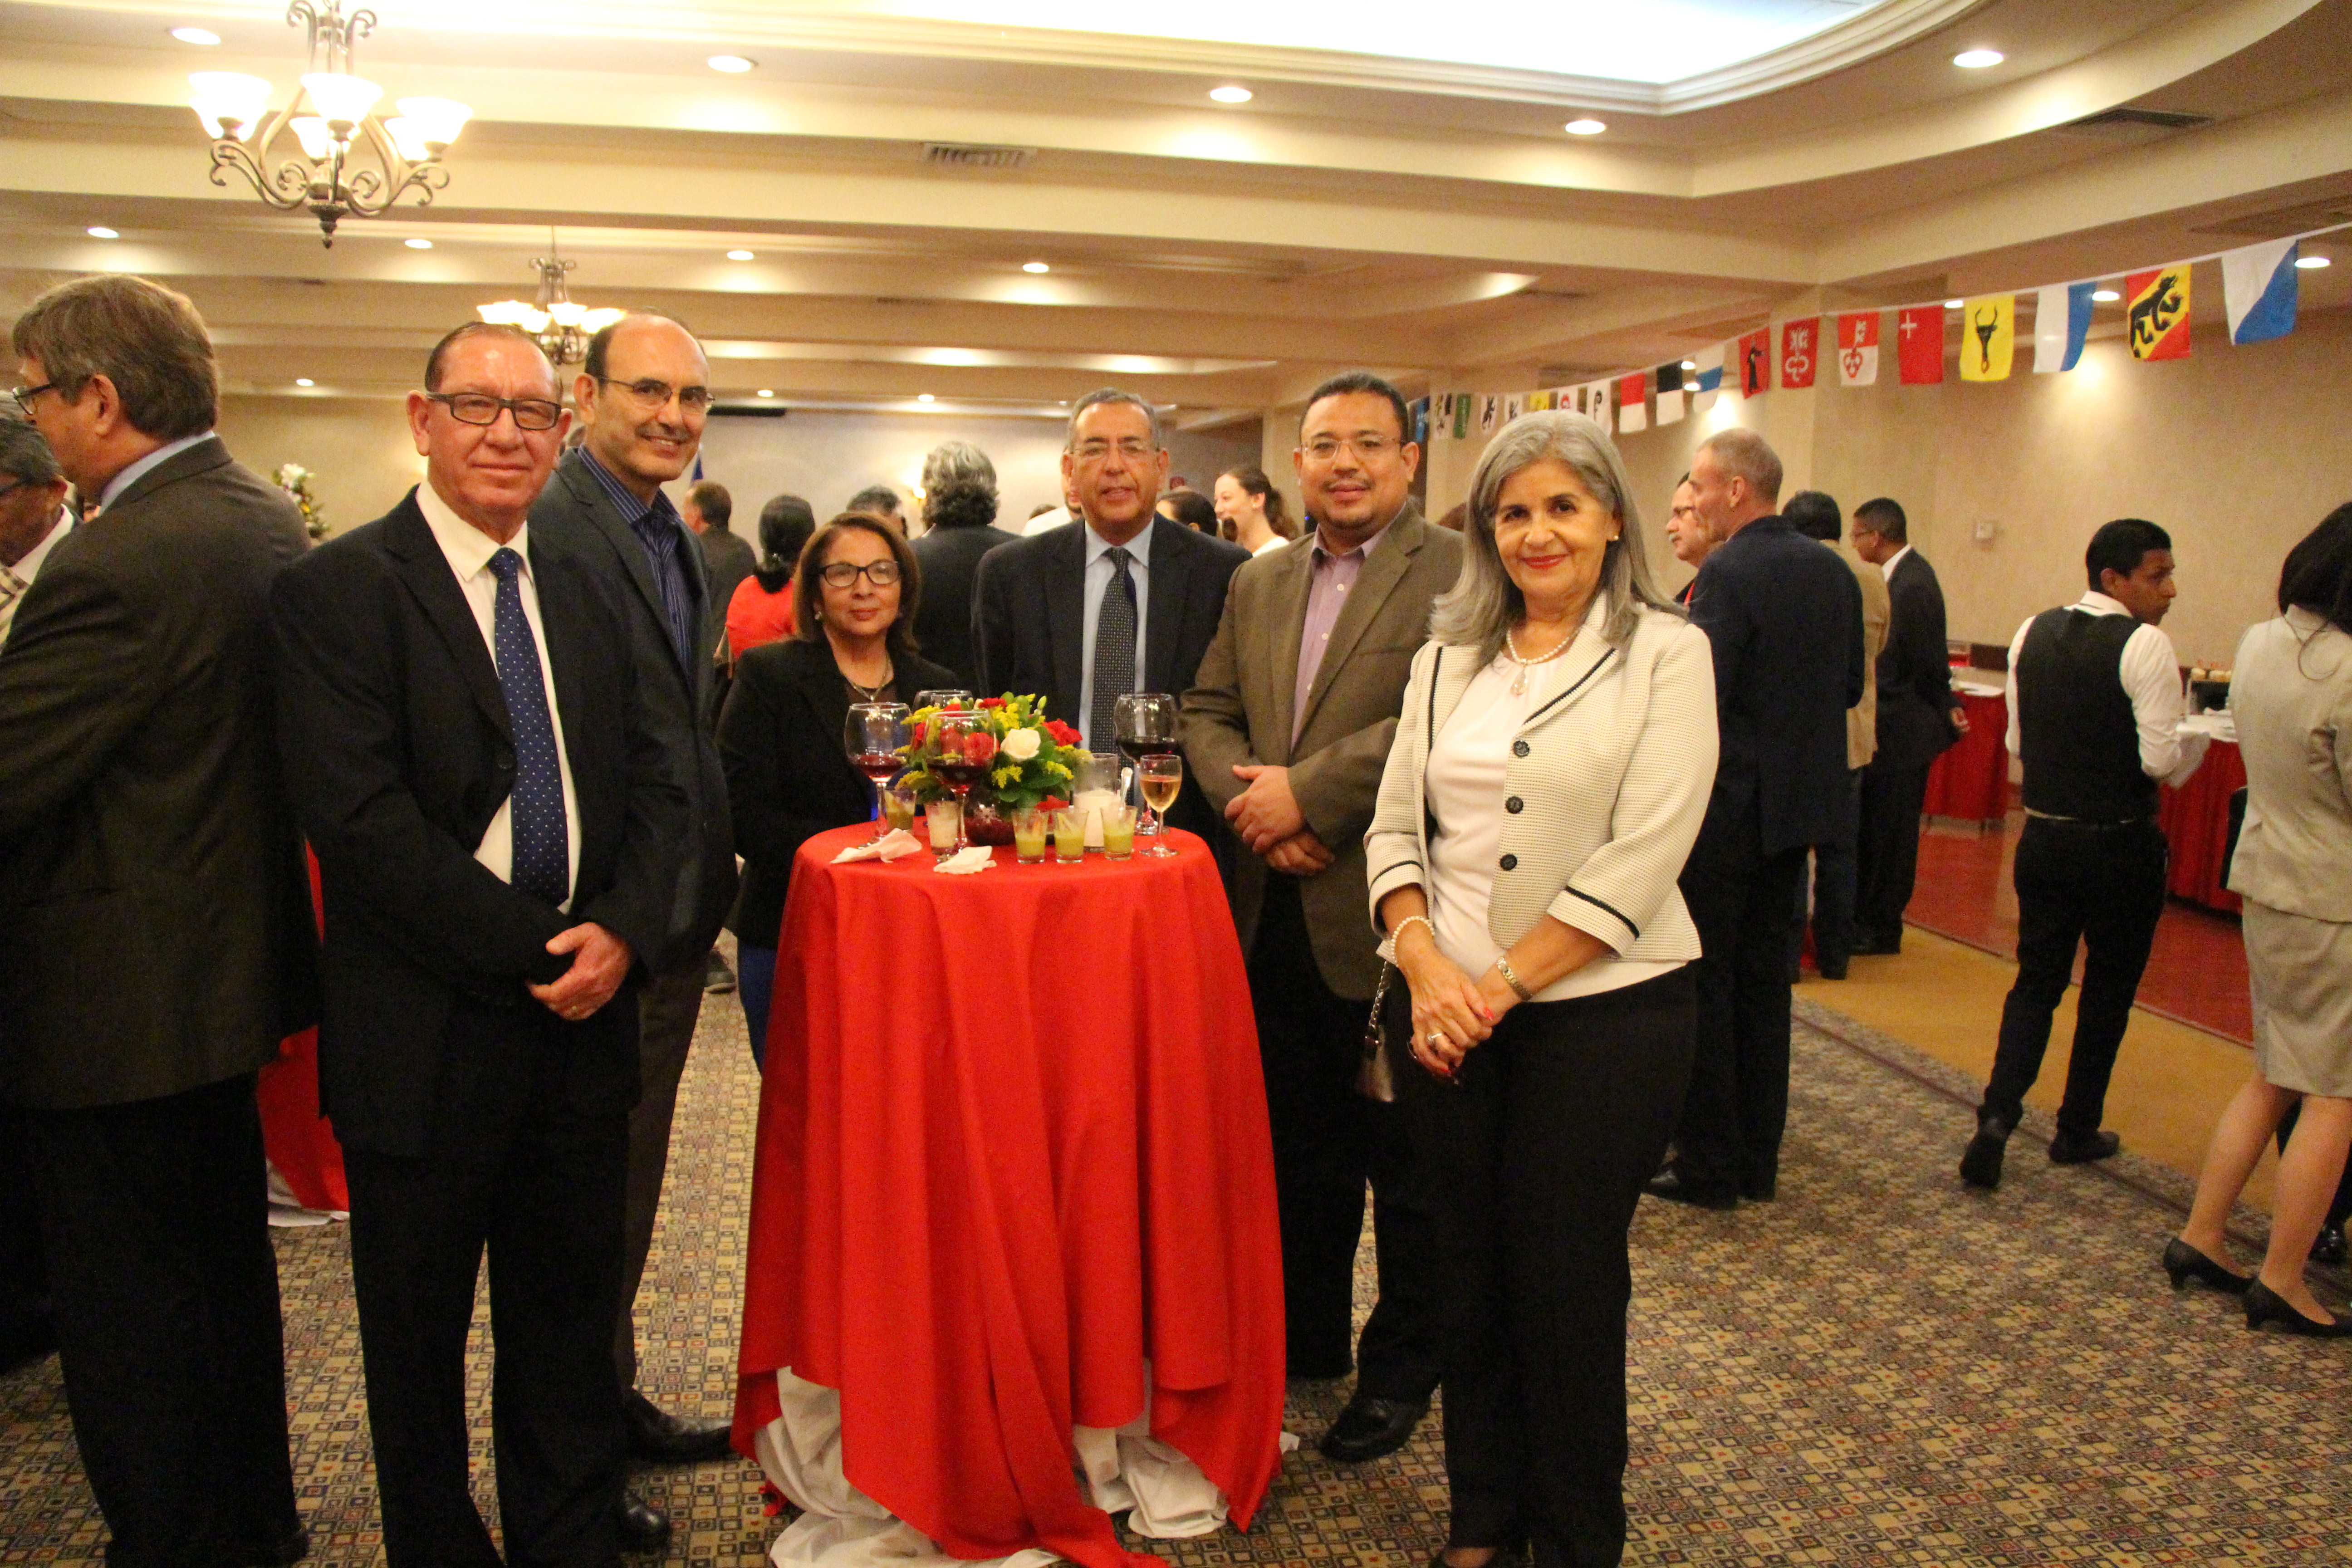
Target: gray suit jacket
{"x":576,"y":512}
{"x":1240,"y":711}
{"x":151,"y":876}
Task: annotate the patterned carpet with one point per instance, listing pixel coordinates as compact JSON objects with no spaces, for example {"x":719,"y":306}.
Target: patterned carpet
{"x":1880,"y":1369}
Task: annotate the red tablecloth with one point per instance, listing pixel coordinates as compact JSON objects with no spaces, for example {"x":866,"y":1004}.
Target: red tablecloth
{"x":297,"y":1139}
{"x":1970,"y":780}
{"x":1012,"y":1147}
{"x":2196,"y":819}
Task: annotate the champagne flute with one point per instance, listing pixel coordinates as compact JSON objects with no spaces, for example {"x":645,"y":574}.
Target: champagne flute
{"x":1142,"y":723}
{"x":964,"y":751}
{"x":873,"y":735}
{"x":1161,"y":775}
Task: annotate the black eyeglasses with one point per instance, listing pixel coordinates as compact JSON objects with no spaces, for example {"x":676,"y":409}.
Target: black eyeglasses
{"x":532,"y":413}
{"x":25,"y":395}
{"x":842,"y":574}
{"x":650,"y":394}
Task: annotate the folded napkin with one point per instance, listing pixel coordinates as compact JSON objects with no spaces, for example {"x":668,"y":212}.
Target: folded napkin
{"x":964,"y":862}
{"x":895,"y":845}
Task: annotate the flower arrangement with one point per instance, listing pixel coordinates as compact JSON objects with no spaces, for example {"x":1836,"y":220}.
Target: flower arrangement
{"x":1034,"y":756}
{"x":295,"y":481}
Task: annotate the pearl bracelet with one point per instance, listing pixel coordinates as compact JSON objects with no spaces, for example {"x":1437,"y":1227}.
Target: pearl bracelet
{"x":1398,"y":934}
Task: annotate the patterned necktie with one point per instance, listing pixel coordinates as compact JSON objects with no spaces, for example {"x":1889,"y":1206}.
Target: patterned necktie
{"x":1114,"y":650}
{"x":542,"y":850}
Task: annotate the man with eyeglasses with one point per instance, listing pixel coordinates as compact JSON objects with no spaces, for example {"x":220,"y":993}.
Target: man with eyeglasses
{"x":645,"y":393}
{"x":33,"y":513}
{"x":159,"y":926}
{"x":470,"y":739}
{"x":1287,"y":729}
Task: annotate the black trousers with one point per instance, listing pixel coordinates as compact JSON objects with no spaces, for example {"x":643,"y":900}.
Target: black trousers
{"x":1743,"y":902}
{"x":1833,"y":885}
{"x":155,"y":1223}
{"x":667,"y":1009}
{"x":27,"y":1327}
{"x":512,"y":1169}
{"x":2101,"y":887}
{"x":1536,"y":1161}
{"x":1886,"y":854}
{"x":1329,"y":1142}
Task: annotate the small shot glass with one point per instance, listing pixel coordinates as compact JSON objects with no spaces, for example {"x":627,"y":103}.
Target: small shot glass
{"x":1030,"y":829}
{"x":1069,"y":836}
{"x":944,"y":819}
{"x":1118,"y":832}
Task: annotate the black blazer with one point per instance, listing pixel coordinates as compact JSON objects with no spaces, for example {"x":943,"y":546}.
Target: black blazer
{"x":788,"y":772}
{"x":949,"y":559}
{"x":151,"y":878}
{"x":398,"y":753}
{"x":576,"y":512}
{"x":1915,"y":672}
{"x":1783,"y":618}
{"x":1029,"y":614}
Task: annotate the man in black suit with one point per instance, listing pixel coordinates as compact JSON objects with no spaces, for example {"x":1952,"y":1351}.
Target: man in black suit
{"x":727,"y":560}
{"x":960,"y":504}
{"x":644,"y":392}
{"x":1784,"y":618}
{"x":152,"y":891}
{"x":471,"y":743}
{"x":1917,"y":720}
{"x":1052,"y":612}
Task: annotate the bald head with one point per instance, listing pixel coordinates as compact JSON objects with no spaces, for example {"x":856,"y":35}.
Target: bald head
{"x":645,"y":394}
{"x":1734,"y":478}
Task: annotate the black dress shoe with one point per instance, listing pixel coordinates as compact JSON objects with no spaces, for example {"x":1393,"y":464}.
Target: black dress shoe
{"x":281,"y":1548}
{"x":2183,"y":1263}
{"x":1760,"y":1191}
{"x":661,"y":1438}
{"x":2327,"y":1247}
{"x":2082,"y":1148}
{"x":2265,"y":1305}
{"x":640,"y":1526}
{"x":1980,"y":1165}
{"x":1831,"y":968}
{"x":1368,"y":1428}
{"x":717,"y":978}
{"x":1876,"y":946}
{"x":1677,"y":1188}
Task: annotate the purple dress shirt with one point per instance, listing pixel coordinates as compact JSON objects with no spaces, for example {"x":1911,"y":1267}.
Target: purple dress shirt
{"x":1329,"y":578}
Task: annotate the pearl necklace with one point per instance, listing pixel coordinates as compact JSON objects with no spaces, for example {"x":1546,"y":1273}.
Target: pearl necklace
{"x":1519,"y":681}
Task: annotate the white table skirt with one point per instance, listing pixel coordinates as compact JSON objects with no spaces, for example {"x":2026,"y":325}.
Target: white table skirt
{"x":1163,"y":1494}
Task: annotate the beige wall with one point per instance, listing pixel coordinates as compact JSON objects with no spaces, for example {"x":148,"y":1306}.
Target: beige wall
{"x":358,"y":450}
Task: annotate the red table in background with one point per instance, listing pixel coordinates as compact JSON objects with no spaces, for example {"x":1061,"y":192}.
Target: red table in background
{"x":1970,"y":781}
{"x":2196,"y":821}
{"x":297,"y":1139}
{"x":1013,"y":1176}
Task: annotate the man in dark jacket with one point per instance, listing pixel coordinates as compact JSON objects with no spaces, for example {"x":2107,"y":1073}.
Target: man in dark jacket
{"x":1917,"y":721}
{"x":960,"y":504}
{"x":1784,"y":618}
{"x":727,"y":557}
{"x":159,"y":922}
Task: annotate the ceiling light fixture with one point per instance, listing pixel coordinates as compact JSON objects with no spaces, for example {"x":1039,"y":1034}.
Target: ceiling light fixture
{"x":1956,"y":304}
{"x":1041,"y":267}
{"x":100,"y":232}
{"x":561,"y":326}
{"x":733,"y":65}
{"x":347,"y":162}
{"x":924,"y":397}
{"x":418,"y":243}
{"x":1585,"y":126}
{"x":1231,"y":94}
{"x":739,"y":256}
{"x":2105,"y":295}
{"x":195,"y":35}
{"x":765,"y":392}
{"x":2311,"y":263}
{"x":304,"y":380}
{"x":1978,"y":60}
{"x":1690,"y":364}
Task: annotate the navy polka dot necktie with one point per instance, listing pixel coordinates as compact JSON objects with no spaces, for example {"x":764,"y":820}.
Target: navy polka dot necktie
{"x":542,"y":850}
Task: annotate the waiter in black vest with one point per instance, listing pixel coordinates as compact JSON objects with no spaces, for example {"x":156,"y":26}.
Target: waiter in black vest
{"x":2095,"y":715}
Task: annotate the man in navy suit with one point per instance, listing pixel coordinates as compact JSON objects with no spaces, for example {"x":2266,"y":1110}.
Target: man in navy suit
{"x":1785,"y":619}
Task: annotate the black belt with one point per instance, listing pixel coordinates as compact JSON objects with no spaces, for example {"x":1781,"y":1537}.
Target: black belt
{"x":2086,"y":822}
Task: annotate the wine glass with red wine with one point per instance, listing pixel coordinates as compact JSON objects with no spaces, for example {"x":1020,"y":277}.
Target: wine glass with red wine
{"x":964,"y":750}
{"x":874,"y":734}
{"x":1144,"y":725}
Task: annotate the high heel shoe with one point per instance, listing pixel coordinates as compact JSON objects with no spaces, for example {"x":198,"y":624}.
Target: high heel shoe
{"x":2265,"y":1305}
{"x":2183,"y":1263}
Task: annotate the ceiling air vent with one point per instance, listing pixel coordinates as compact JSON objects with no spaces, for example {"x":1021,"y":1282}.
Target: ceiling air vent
{"x":2138,"y":119}
{"x":975,"y":155}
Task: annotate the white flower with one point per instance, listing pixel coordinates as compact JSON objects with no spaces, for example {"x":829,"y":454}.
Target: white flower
{"x":1021,"y":744}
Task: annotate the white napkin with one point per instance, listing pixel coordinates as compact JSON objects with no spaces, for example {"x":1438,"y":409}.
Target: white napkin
{"x":895,"y":845}
{"x":964,"y":862}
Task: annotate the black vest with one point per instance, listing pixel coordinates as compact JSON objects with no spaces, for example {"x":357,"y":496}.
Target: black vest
{"x":2080,"y":740}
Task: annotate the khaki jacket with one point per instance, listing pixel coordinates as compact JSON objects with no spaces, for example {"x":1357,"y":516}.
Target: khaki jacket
{"x":1862,"y":718}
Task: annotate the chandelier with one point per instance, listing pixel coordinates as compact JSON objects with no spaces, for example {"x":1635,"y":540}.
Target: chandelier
{"x":561,"y":326}
{"x":346,"y":162}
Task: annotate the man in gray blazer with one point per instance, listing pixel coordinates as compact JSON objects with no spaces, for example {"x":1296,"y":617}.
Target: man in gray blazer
{"x":1287,"y":729}
{"x":161,"y":942}
{"x":645,"y":392}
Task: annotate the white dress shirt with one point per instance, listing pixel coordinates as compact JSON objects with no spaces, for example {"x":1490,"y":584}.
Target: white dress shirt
{"x":468,"y":551}
{"x":1099,"y":572}
{"x":1892,"y":561}
{"x":1276,"y":542}
{"x":15,"y":580}
{"x":154,"y":460}
{"x":2150,"y":672}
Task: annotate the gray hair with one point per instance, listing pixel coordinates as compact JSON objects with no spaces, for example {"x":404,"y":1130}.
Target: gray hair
{"x":951,"y":461}
{"x":144,"y":337}
{"x":1110,"y":394}
{"x":25,"y":453}
{"x":1484,"y":602}
{"x":1744,"y":455}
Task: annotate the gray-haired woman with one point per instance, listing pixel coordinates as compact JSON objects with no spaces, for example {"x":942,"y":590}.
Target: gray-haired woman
{"x":960,"y":507}
{"x":1550,"y":770}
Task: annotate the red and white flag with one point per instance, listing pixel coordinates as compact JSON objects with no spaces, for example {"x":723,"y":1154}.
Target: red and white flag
{"x":1800,"y":351}
{"x":1858,"y":349}
{"x":1632,"y":403}
{"x":1756,"y":363}
{"x":1920,"y":345}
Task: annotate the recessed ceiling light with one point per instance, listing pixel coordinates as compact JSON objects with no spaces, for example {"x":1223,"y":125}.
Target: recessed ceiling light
{"x":1231,"y":94}
{"x":1587,"y":127}
{"x":734,"y":65}
{"x":924,"y":397}
{"x":739,"y":256}
{"x":1690,"y":364}
{"x":195,"y":35}
{"x":1956,"y":304}
{"x":1978,"y":60}
{"x":1041,"y":267}
{"x":764,"y":391}
{"x":2105,"y":295}
{"x":2311,"y":263}
{"x":304,"y":380}
{"x":96,"y":232}
{"x":418,"y":243}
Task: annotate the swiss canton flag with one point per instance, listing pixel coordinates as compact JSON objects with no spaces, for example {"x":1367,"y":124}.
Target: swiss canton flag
{"x":2156,"y":310}
{"x":1920,"y":345}
{"x":1756,"y":363}
{"x":1632,"y":403}
{"x":1800,"y":351}
{"x":1858,"y":349}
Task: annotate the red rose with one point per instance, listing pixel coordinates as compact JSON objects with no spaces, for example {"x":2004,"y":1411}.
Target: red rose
{"x":1053,"y":802}
{"x":991,"y":702}
{"x":1062,"y":733}
{"x":915,"y":733}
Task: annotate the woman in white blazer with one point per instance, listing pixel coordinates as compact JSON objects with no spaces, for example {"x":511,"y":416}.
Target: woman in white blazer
{"x":1550,"y":773}
{"x":2291,"y":694}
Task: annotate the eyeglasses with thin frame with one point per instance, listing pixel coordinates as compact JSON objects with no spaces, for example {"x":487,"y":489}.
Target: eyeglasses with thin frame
{"x":530,"y":413}
{"x":651,"y":393}
{"x":1370,"y":449}
{"x":842,"y":574}
{"x":1134,"y":448}
{"x":23,"y":396}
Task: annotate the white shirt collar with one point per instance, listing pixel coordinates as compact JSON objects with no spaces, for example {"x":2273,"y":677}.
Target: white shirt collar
{"x":1140,"y":547}
{"x":2097,"y":604}
{"x":152,"y":460}
{"x":467,"y":548}
{"x":1894,"y":559}
{"x":29,"y":567}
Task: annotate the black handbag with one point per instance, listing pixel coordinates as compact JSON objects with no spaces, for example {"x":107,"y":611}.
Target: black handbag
{"x":1375,"y":1079}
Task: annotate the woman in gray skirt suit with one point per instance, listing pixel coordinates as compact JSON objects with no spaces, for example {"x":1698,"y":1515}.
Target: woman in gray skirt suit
{"x":2291,"y":694}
